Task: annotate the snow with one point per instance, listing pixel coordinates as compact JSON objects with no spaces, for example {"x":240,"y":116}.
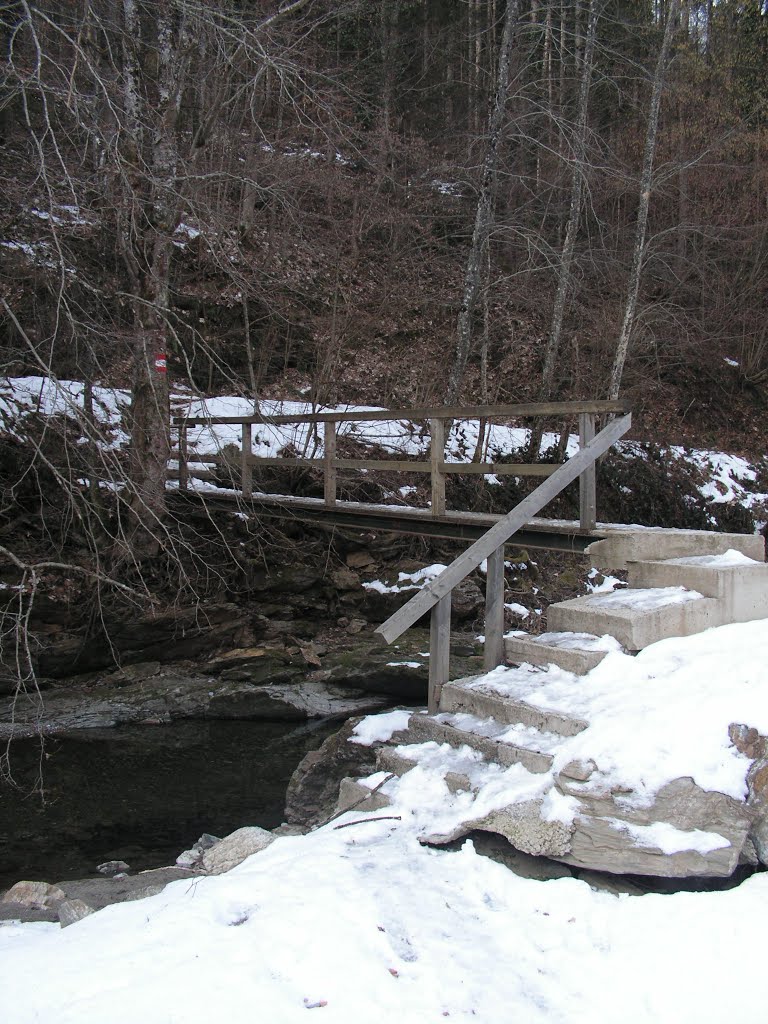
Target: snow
{"x":728,"y":560}
{"x":646,"y":600}
{"x":363,"y":923}
{"x":517,"y":609}
{"x":407,"y":580}
{"x":380,"y":728}
{"x":578,"y":641}
{"x":660,"y":715}
{"x":668,"y":839}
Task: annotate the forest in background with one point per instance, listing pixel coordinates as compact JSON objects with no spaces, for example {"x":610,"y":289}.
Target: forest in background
{"x":392,"y":202}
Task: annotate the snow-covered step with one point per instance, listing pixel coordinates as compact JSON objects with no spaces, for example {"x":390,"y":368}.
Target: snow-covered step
{"x":637,"y":617}
{"x":485,"y":701}
{"x":629,"y":544}
{"x":739,"y":583}
{"x":499,"y":742}
{"x":462,"y":768}
{"x":575,"y":652}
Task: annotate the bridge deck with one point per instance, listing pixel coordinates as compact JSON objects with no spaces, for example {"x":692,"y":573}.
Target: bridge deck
{"x":547,"y":534}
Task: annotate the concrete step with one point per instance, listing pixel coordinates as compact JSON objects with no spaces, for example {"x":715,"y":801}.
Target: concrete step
{"x":637,"y":617}
{"x":740,"y":584}
{"x":574,"y":652}
{"x":463,"y":696}
{"x":631,"y":544}
{"x":504,"y":744}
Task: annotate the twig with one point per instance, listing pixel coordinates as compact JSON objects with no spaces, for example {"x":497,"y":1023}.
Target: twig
{"x":363,"y":821}
{"x":352,"y":806}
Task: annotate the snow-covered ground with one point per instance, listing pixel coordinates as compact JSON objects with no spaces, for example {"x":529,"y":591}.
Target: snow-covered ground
{"x":362,"y":924}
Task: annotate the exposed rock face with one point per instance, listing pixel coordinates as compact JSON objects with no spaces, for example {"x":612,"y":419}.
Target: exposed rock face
{"x":314,"y":786}
{"x":234,"y":848}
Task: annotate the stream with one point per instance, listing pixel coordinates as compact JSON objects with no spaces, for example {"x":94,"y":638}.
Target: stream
{"x":143,"y":794}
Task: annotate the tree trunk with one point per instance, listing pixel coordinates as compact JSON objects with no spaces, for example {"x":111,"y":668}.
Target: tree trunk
{"x":574,"y":215}
{"x":485,"y":205}
{"x":646,"y":177}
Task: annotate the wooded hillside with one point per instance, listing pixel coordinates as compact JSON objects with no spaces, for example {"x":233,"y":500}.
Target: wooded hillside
{"x":391,"y":202}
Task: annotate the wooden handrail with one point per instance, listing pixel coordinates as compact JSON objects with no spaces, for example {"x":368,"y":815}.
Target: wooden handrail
{"x":443,"y":412}
{"x":437,"y":466}
{"x":436,"y":595}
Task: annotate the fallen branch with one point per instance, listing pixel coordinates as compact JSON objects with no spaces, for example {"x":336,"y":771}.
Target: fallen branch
{"x":363,"y":821}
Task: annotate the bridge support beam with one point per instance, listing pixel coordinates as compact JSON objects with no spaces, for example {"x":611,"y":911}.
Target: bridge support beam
{"x":493,"y":653}
{"x":439,"y":650}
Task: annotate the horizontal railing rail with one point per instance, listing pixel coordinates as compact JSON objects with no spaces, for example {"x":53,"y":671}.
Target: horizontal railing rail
{"x":437,"y":466}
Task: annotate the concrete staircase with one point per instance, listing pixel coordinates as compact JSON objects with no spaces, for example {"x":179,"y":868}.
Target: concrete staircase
{"x":491,"y":722}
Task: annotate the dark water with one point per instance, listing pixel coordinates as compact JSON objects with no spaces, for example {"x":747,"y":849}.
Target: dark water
{"x":143,"y":793}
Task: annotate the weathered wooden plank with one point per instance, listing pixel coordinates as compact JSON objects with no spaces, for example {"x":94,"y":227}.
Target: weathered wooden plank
{"x":445,"y":412}
{"x":501,"y":468}
{"x":246,"y":455}
{"x":493,"y":651}
{"x":588,"y":479}
{"x":439,"y":651}
{"x":329,"y":461}
{"x":183,"y":475}
{"x":469,"y":560}
{"x":389,"y":465}
{"x":437,"y":460}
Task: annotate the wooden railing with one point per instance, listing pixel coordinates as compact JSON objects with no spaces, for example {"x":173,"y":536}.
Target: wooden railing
{"x":437,"y":417}
{"x":436,"y":596}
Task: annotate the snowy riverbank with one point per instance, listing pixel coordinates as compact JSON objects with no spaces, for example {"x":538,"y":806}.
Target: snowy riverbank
{"x":362,"y":923}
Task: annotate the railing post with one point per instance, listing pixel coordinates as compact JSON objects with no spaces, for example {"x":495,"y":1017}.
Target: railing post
{"x":183,"y":470}
{"x":246,"y":469}
{"x":588,"y":479}
{"x":493,"y":652}
{"x":439,"y":650}
{"x":437,"y":457}
{"x":329,"y":458}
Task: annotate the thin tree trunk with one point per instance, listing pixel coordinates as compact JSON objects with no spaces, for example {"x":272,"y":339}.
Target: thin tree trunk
{"x":638,"y":255}
{"x":485,"y":206}
{"x":574,"y":216}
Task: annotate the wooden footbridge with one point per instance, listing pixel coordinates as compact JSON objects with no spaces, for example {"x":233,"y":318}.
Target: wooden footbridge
{"x":600,"y":425}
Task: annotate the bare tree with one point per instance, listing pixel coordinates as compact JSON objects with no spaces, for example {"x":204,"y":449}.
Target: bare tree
{"x":578,"y":176}
{"x":644,"y":202}
{"x":485,"y":205}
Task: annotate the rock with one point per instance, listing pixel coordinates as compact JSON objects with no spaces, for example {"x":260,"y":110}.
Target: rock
{"x":103,"y":892}
{"x":313,"y":791}
{"x":749,"y":742}
{"x":579,"y":771}
{"x":523,"y":864}
{"x":72,"y":911}
{"x":40,"y":895}
{"x":613,"y":884}
{"x":136,"y":672}
{"x":521,"y":823}
{"x":192,"y":857}
{"x":354,"y":795}
{"x":289,"y":830}
{"x":356,"y":626}
{"x":24,"y":914}
{"x":467,"y":600}
{"x":344,"y":579}
{"x":234,"y":848}
{"x":110,"y":868}
{"x":359,"y":559}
